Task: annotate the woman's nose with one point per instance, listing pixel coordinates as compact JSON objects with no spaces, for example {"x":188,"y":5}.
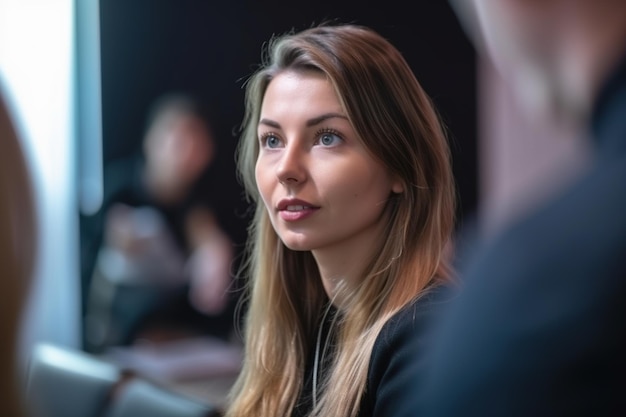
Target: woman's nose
{"x":291,"y":168}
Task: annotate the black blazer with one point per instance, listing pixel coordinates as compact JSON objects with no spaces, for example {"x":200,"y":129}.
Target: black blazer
{"x":396,"y":356}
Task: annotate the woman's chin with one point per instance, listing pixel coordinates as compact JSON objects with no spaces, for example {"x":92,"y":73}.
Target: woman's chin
{"x":297,"y":242}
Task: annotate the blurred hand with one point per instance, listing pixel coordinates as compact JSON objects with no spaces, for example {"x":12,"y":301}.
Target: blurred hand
{"x":210,"y":276}
{"x":141,"y":239}
{"x":120,"y":231}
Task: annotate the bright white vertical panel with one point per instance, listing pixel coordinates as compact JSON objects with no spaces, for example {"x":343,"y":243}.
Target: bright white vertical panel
{"x":36,"y":67}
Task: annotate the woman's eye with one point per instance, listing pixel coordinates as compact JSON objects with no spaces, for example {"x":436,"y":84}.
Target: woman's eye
{"x":270,"y":141}
{"x":329,"y":139}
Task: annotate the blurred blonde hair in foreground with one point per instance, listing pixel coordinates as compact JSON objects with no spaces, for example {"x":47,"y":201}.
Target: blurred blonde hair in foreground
{"x":17,"y":257}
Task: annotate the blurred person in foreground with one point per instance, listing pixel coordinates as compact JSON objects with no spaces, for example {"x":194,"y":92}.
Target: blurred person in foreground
{"x":348,"y":165}
{"x":17,"y":259}
{"x":538,"y":327}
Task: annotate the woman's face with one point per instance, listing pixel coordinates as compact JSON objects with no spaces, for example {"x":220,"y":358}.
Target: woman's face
{"x":321,"y":187}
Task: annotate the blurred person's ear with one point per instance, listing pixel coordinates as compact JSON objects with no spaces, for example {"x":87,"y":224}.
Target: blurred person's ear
{"x":17,"y":256}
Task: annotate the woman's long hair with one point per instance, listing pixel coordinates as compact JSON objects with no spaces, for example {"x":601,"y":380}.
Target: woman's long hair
{"x":399,"y":125}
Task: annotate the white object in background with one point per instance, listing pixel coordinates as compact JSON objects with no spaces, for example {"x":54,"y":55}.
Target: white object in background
{"x":37,"y":72}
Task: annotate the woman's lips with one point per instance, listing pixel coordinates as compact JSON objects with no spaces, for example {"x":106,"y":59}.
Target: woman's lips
{"x":296,"y":212}
{"x":293,"y":210}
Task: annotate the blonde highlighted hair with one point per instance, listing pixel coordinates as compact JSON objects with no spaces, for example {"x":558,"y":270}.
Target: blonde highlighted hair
{"x":399,"y":125}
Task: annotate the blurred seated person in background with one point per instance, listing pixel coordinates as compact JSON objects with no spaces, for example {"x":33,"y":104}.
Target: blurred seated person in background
{"x":17,"y":259}
{"x":164,"y":267}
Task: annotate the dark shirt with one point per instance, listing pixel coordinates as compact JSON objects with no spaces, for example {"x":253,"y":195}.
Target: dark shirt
{"x":538,"y":329}
{"x":399,"y":342}
{"x":124,"y":183}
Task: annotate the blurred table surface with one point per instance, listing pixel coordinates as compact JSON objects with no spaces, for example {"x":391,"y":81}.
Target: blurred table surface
{"x":200,"y":367}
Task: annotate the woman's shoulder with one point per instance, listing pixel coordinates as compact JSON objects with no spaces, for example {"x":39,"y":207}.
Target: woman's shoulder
{"x":397,"y":355}
{"x":416,"y":316}
{"x":405,"y":332}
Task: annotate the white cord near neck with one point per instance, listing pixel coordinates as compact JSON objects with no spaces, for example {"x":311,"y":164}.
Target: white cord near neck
{"x":316,"y":360}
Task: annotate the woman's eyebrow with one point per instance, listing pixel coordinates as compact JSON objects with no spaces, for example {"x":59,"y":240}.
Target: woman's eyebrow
{"x":269,"y":123}
{"x":311,"y":122}
{"x":319,"y":119}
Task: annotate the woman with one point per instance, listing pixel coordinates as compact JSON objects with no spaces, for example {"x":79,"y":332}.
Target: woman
{"x":344,"y":156}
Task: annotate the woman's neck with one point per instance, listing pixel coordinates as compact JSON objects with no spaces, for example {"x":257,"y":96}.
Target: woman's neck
{"x":342,"y":265}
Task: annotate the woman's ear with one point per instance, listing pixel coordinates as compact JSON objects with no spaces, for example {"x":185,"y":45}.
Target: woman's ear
{"x":397,"y":186}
